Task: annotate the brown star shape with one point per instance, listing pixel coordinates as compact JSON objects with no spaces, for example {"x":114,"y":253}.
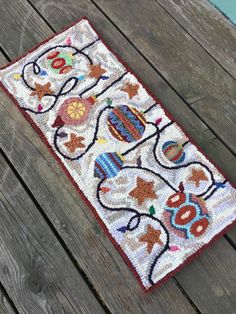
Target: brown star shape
{"x":151,"y":237}
{"x":143,"y":190}
{"x":42,"y":90}
{"x":96,"y":71}
{"x":74,"y":142}
{"x":197,"y":176}
{"x":131,"y":89}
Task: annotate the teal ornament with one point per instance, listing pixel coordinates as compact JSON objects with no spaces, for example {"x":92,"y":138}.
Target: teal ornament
{"x":186,"y":215}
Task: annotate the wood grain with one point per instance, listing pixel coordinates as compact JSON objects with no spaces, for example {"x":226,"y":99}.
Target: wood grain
{"x":15,"y":27}
{"x":213,"y":288}
{"x":208,"y":27}
{"x":35,"y":270}
{"x":189,"y":69}
{"x":5,"y":305}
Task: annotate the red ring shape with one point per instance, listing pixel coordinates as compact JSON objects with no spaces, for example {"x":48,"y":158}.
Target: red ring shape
{"x":177,"y":203}
{"x":201,"y":222}
{"x":183,"y":221}
{"x":58,"y":63}
{"x":65,"y":69}
{"x":53,"y":54}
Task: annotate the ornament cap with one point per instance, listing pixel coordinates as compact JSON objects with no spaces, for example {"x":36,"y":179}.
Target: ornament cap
{"x":121,"y":156}
{"x":181,"y":187}
{"x":91,"y":99}
{"x":58,"y":122}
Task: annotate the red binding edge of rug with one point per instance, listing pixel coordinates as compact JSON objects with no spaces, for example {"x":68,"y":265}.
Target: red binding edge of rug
{"x":106,"y":231}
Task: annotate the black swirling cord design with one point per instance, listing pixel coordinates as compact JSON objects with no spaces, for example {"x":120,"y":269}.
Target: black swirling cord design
{"x":134,"y":222}
{"x":137,"y":216}
{"x":66,"y":87}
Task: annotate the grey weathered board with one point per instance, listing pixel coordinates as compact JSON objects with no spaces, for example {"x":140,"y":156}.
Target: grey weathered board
{"x":187,"y":67}
{"x":208,"y":27}
{"x":72,"y":219}
{"x":35,"y":270}
{"x":5,"y":304}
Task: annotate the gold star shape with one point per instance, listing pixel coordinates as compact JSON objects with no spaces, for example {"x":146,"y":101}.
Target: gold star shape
{"x":143,"y":190}
{"x":131,"y":89}
{"x":74,"y":142}
{"x":42,"y":90}
{"x":151,"y":237}
{"x":96,"y":71}
{"x":197,"y":176}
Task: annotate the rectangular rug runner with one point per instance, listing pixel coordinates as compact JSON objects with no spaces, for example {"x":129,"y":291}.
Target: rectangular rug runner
{"x":156,"y":195}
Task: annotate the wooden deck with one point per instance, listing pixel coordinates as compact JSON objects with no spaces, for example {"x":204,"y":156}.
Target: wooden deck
{"x":54,"y":257}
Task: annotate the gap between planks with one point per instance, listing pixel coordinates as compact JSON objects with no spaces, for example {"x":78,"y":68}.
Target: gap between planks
{"x":7,"y":306}
{"x":200,"y":75}
{"x":58,"y":237}
{"x":160,"y":2}
{"x":35,"y":280}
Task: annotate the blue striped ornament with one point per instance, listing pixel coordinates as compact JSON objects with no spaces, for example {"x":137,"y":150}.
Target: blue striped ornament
{"x":126,"y":123}
{"x":173,"y":152}
{"x":108,"y":165}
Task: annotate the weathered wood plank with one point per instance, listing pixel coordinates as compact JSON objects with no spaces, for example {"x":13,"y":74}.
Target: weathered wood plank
{"x":35,"y":270}
{"x":189,"y":69}
{"x":14,"y":31}
{"x":209,"y":27}
{"x":5,"y":305}
{"x":211,"y":279}
{"x":30,"y":170}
